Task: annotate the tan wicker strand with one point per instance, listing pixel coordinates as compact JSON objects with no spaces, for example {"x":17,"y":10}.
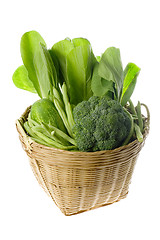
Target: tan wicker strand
{"x":81,"y":181}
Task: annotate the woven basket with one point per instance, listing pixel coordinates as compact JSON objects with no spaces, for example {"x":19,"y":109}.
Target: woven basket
{"x":81,"y":181}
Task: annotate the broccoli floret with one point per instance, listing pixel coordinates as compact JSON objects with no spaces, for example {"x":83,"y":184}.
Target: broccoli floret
{"x":93,"y":102}
{"x":78,"y":113}
{"x":100,"y":124}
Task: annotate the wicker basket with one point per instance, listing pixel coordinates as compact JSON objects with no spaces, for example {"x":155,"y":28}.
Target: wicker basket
{"x":81,"y":181}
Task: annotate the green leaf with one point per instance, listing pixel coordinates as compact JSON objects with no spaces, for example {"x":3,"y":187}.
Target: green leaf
{"x":98,"y":58}
{"x":130,"y":78}
{"x":76,"y":61}
{"x":46,"y":72}
{"x":21,"y":80}
{"x":38,"y":63}
{"x":61,"y":50}
{"x":110,"y":68}
{"x":29,"y":46}
{"x":80,"y":41}
{"x":79,"y":68}
{"x":50,"y":67}
{"x":56,"y":65}
{"x":100,"y":86}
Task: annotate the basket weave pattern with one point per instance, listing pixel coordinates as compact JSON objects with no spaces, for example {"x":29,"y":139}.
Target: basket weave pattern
{"x":80,"y":181}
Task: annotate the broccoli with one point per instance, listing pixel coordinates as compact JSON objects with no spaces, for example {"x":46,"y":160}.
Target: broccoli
{"x":101,"y":124}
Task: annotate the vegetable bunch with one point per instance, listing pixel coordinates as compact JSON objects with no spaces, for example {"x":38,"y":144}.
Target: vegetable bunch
{"x":67,"y":75}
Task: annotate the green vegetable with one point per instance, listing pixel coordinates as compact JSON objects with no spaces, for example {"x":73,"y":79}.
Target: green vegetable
{"x":47,"y":122}
{"x":138,"y":119}
{"x":70,"y":76}
{"x":61,"y":134}
{"x":64,"y":108}
{"x":138,"y":133}
{"x":63,"y":116}
{"x":139,"y":115}
{"x":101,"y":124}
{"x":46,"y":127}
{"x":68,"y":107}
{"x":108,"y":76}
{"x":38,"y":64}
{"x":21,"y":79}
{"x":44,"y":111}
{"x":130,"y":78}
{"x":99,"y":85}
{"x":109,"y":79}
{"x":76,"y":61}
{"x":110,"y":68}
{"x":132,"y":108}
{"x":41,"y":135}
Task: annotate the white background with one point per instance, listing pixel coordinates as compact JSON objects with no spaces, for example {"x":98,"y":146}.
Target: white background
{"x":26,"y":212}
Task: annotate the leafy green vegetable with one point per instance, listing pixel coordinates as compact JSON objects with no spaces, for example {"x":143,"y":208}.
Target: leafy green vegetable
{"x":38,"y":63}
{"x":76,"y":61}
{"x":120,"y":83}
{"x":110,"y":68}
{"x":21,"y":79}
{"x":30,"y":44}
{"x":79,"y":73}
{"x":98,"y":58}
{"x":130,"y":78}
{"x":99,"y":85}
{"x":61,"y":50}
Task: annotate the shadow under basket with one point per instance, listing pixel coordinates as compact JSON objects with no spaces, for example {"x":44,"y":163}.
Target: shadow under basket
{"x":81,"y":181}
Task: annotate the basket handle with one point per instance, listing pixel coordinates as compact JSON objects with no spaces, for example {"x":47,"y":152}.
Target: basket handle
{"x":21,"y":132}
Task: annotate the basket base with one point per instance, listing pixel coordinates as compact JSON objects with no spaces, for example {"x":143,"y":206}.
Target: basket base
{"x":93,"y":208}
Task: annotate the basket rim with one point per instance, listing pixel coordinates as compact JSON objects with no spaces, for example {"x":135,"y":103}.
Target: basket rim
{"x":32,"y":143}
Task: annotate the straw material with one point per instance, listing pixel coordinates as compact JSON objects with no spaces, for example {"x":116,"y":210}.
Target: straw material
{"x":81,"y":181}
